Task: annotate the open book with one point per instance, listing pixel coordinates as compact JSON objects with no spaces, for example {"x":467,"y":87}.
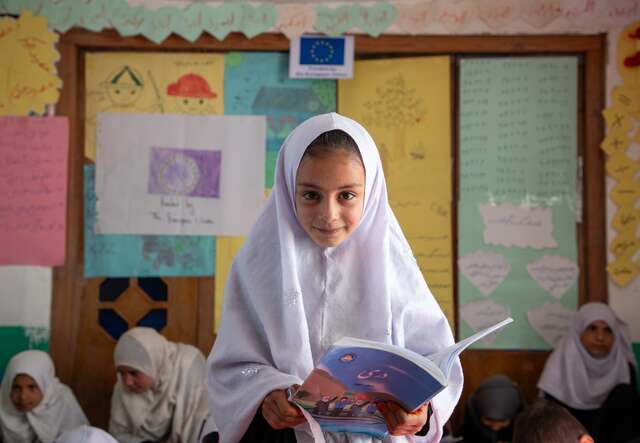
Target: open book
{"x":342,"y":391}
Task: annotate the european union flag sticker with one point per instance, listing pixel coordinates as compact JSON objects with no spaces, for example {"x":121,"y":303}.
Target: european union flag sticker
{"x":321,"y":51}
{"x":315,"y":56}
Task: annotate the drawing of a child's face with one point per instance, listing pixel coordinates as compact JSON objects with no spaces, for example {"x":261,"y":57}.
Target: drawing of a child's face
{"x":194,"y":105}
{"x":123,"y":94}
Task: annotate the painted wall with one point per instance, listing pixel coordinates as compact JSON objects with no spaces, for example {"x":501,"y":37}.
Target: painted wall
{"x":25,"y":300}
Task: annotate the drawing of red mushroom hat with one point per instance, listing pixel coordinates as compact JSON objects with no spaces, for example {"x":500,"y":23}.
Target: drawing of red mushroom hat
{"x":192,"y":93}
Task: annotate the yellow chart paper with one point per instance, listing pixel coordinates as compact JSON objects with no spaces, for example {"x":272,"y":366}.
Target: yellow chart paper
{"x":28,"y":76}
{"x":409,"y":118}
{"x":167,"y":83}
{"x":226,"y":250}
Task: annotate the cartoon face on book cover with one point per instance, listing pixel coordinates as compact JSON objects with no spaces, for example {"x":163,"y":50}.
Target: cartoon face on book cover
{"x":342,"y":391}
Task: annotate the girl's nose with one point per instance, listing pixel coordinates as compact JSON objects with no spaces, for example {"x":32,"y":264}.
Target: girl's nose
{"x":329,"y":211}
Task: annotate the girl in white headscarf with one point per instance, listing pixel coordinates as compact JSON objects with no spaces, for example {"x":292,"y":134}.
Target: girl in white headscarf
{"x":326,"y":259}
{"x":34,"y":405}
{"x":592,"y":373}
{"x":160,"y":394}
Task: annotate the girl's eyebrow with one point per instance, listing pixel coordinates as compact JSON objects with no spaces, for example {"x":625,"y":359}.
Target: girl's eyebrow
{"x":347,"y":186}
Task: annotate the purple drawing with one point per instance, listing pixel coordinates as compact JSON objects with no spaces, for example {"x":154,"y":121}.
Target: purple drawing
{"x":188,"y":172}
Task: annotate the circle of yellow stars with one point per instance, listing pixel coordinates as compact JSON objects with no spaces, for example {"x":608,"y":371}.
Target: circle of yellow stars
{"x":318,"y":45}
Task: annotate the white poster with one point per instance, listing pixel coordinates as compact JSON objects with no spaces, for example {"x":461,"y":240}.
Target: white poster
{"x":519,"y":226}
{"x":25,"y":296}
{"x":179,"y":174}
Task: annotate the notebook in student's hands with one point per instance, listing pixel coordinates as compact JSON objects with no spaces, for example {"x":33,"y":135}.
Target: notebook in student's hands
{"x":342,"y":391}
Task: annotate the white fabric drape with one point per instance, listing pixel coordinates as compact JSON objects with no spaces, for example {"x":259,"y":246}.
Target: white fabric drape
{"x":175,"y":408}
{"x":287,"y":299}
{"x":579,"y":380}
{"x":85,"y":434}
{"x":57,"y":412}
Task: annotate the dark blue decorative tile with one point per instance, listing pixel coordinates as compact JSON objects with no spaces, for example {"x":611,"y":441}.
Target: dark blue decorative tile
{"x":155,"y":318}
{"x":155,"y":288}
{"x":112,"y":288}
{"x":111,"y":322}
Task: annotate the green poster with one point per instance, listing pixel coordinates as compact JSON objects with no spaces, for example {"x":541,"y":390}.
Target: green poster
{"x":517,"y":210}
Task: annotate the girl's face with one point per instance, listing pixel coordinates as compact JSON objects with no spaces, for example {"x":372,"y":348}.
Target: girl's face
{"x":134,"y":381}
{"x":25,"y":393}
{"x":330,"y":196}
{"x":597,"y":339}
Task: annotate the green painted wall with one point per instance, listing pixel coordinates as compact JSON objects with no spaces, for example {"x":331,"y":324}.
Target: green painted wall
{"x":14,"y":339}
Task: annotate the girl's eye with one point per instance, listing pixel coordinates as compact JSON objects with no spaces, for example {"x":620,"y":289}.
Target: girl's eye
{"x":347,"y":195}
{"x":310,"y":195}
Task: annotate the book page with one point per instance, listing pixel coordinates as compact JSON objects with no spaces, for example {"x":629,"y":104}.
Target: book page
{"x":445,"y":358}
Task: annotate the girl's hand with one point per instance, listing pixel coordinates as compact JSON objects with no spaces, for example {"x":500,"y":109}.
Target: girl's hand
{"x":278,"y":412}
{"x":401,"y":422}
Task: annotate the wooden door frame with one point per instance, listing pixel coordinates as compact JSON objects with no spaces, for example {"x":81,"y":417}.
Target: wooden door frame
{"x":68,"y":280}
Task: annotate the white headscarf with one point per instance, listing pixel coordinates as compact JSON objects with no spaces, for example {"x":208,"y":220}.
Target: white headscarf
{"x":287,"y":299}
{"x":573,"y":376}
{"x":175,"y":408}
{"x":85,"y":434}
{"x":57,"y":412}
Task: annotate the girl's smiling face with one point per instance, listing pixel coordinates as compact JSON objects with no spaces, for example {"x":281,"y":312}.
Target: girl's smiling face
{"x":330,"y":195}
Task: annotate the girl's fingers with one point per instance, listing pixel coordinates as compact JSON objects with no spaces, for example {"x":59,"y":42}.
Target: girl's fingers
{"x":278,"y":412}
{"x":401,"y":422}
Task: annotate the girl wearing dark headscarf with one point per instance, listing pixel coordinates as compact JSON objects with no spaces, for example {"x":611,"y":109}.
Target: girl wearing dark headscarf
{"x":490,"y":411}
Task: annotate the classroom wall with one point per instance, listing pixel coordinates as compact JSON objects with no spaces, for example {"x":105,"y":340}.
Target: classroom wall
{"x":25,"y":291}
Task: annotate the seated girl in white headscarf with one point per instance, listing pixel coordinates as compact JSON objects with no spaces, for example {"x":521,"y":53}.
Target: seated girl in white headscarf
{"x":592,"y":373}
{"x":34,"y":405}
{"x":160,"y":394}
{"x":326,"y":259}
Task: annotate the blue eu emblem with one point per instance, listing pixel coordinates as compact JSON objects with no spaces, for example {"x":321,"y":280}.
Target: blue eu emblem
{"x":322,"y":51}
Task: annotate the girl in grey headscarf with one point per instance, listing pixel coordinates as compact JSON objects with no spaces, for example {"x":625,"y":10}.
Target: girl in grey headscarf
{"x":490,"y":411}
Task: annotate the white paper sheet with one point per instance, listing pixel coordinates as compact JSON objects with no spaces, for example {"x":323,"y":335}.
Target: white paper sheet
{"x":554,"y":273}
{"x":179,"y":174}
{"x":25,"y":296}
{"x":551,"y":321}
{"x":520,"y":226}
{"x":485,"y":270}
{"x":481,"y":314}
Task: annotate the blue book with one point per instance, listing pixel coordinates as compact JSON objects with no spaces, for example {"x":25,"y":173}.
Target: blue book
{"x":342,"y":391}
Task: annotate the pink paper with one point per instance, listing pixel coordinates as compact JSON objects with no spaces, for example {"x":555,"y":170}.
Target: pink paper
{"x":33,"y":190}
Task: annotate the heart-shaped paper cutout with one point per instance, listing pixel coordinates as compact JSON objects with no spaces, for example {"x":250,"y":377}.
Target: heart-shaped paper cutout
{"x":485,"y":270}
{"x":554,"y":273}
{"x":551,"y":321}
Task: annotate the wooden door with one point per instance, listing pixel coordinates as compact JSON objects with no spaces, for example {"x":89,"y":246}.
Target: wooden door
{"x":111,"y":306}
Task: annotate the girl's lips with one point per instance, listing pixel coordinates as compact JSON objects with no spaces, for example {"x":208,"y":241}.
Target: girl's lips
{"x":327,"y":231}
